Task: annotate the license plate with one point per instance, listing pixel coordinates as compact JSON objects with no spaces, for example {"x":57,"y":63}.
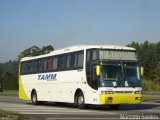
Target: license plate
{"x":108,"y":100}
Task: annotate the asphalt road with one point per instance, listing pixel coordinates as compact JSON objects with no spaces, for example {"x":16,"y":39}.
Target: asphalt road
{"x":51,"y":111}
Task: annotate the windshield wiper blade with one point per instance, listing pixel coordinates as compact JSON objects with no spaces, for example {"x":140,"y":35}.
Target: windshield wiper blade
{"x":133,"y":84}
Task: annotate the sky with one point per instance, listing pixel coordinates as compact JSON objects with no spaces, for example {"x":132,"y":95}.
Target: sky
{"x":63,"y":23}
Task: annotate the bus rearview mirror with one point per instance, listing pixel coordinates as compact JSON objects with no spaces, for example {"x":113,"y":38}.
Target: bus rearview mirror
{"x":142,"y":71}
{"x":98,"y":70}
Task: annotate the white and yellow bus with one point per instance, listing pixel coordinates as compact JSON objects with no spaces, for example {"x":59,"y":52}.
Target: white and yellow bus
{"x":82,"y":74}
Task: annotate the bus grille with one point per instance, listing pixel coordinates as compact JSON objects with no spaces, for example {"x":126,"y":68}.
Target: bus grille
{"x":123,"y":92}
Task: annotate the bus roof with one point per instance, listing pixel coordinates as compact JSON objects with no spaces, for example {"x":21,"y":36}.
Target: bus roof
{"x":77,"y":48}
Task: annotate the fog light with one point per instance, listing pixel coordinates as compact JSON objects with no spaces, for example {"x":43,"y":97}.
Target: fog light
{"x":137,"y":98}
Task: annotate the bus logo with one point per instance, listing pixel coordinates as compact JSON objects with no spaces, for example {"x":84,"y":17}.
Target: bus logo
{"x":48,"y":77}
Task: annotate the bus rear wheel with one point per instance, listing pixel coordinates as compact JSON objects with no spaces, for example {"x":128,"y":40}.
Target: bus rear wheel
{"x":80,"y":101}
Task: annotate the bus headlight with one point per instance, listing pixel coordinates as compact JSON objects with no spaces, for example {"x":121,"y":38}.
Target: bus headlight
{"x":138,"y":92}
{"x":107,"y":92}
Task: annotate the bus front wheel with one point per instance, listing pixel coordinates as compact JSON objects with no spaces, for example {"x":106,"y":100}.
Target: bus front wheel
{"x":34,"y":98}
{"x":80,"y":101}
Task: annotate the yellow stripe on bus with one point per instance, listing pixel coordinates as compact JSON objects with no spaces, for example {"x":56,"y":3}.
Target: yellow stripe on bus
{"x":120,"y":99}
{"x":22,"y":93}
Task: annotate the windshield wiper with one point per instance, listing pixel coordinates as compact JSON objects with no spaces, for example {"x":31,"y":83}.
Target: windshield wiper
{"x":120,"y":82}
{"x":132,"y":83}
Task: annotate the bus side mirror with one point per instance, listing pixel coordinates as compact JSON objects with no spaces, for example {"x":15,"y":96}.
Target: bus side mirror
{"x":142,"y":71}
{"x":98,"y":70}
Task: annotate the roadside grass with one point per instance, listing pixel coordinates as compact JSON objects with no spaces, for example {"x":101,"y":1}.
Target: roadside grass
{"x":148,"y":97}
{"x":151,"y":91}
{"x":9,"y":93}
{"x":8,"y":115}
{"x":150,"y":86}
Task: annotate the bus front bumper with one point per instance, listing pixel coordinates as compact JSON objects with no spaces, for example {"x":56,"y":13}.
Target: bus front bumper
{"x":120,"y":99}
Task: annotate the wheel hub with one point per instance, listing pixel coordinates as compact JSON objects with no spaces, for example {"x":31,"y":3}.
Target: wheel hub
{"x":80,"y":100}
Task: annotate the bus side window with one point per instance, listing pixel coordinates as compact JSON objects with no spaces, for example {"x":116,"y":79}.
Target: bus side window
{"x":80,"y":60}
{"x":29,"y":67}
{"x":45,"y":65}
{"x":62,"y":62}
{"x":68,"y":62}
{"x":74,"y":60}
{"x":49,"y":64}
{"x":40,"y":67}
{"x":24,"y":68}
{"x":55,"y":64}
{"x":34,"y":66}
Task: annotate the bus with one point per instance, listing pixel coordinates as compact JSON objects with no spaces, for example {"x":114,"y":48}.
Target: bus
{"x":82,"y":74}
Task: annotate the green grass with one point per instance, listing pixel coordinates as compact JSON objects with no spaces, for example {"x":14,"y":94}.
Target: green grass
{"x":9,"y":93}
{"x":150,"y":86}
{"x":6,"y":115}
{"x":150,"y":98}
{"x":150,"y":89}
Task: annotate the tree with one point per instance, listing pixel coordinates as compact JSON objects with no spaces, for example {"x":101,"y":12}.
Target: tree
{"x":32,"y":51}
{"x":9,"y":70}
{"x":148,"y":57}
{"x":46,"y":49}
{"x":156,"y":75}
{"x":35,"y":51}
{"x":9,"y":75}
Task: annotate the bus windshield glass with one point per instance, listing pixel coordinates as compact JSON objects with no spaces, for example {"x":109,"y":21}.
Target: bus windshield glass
{"x":120,"y":74}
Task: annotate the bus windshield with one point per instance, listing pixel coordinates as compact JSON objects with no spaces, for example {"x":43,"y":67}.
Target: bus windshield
{"x":120,"y":74}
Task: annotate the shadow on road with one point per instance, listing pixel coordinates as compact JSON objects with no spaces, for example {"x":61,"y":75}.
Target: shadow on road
{"x":143,"y":106}
{"x":126,"y":107}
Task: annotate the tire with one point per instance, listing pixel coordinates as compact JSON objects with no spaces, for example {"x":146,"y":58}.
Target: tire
{"x":34,"y":98}
{"x":80,"y":101}
{"x":114,"y":107}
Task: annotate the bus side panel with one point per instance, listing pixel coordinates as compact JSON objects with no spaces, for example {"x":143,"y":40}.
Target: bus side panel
{"x":63,"y":88}
{"x":29,"y":83}
{"x":22,"y":91}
